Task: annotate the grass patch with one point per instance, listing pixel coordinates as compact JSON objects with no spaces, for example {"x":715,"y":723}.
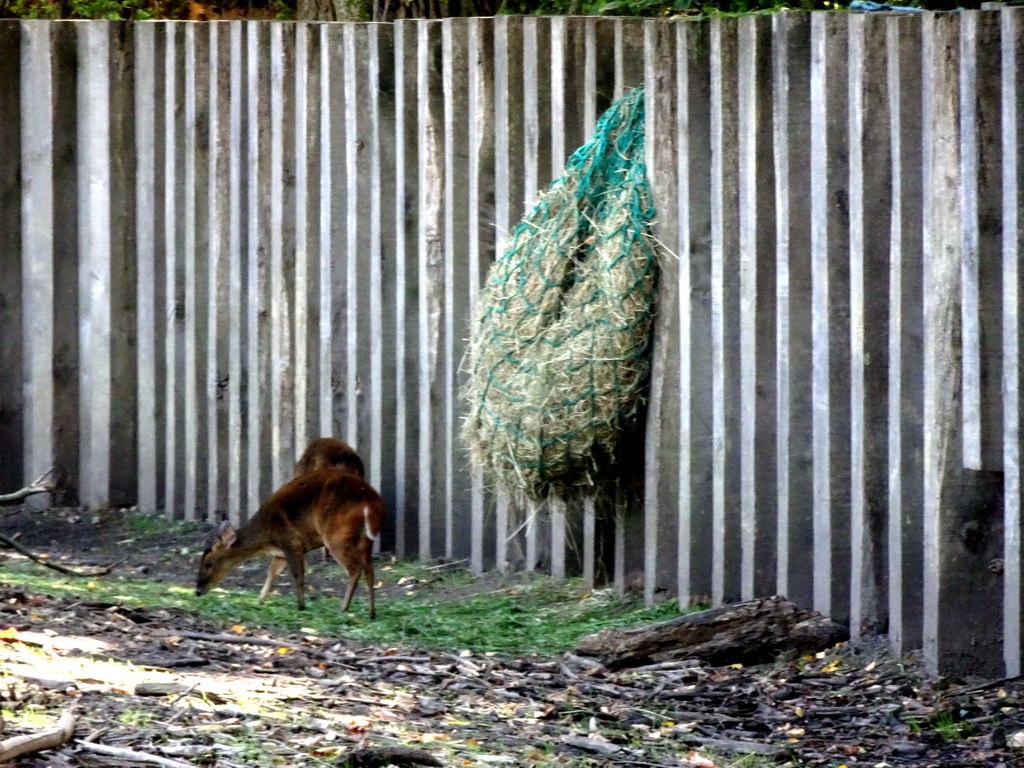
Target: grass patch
{"x":453,"y":611}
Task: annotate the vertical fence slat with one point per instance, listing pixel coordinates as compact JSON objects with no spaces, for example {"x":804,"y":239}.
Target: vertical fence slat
{"x":431,"y":278}
{"x":353,"y":291}
{"x":477,"y":116}
{"x":1011,"y":29}
{"x":619,"y":544}
{"x":216,"y":266}
{"x":188,"y":216}
{"x":94,"y":261}
{"x":302,"y":142}
{"x":401,"y":260}
{"x":717,"y":319}
{"x":375,"y":383}
{"x":971,"y":360}
{"x":895,"y":441}
{"x":145,"y":205}
{"x":426,"y":173}
{"x":660,"y":450}
{"x":684,"y":290}
{"x":724,"y":313}
{"x":780,"y":142}
{"x":253,"y":283}
{"x":589,"y":124}
{"x":557,"y":130}
{"x":855,"y":118}
{"x":170,"y":240}
{"x":37,"y":244}
{"x":748,"y":257}
{"x":450,"y":108}
{"x":235,"y":278}
{"x":281,"y":432}
{"x":507,"y":60}
{"x":260,"y":245}
{"x":830,"y":312}
{"x":325,"y":388}
{"x":820,"y":333}
{"x":531,"y":187}
{"x":482,"y":235}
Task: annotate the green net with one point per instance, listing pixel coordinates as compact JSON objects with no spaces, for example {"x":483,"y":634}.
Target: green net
{"x":559,"y":352}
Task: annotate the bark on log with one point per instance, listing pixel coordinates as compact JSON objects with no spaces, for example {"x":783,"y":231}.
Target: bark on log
{"x":750,"y":633}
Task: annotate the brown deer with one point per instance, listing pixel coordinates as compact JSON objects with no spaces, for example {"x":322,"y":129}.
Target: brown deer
{"x":327,"y":507}
{"x":328,"y":452}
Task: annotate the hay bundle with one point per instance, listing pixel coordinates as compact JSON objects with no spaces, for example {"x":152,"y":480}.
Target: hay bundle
{"x":559,"y":353}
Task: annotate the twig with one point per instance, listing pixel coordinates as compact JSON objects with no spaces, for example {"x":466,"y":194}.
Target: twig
{"x":452,"y":564}
{"x":131,"y":754}
{"x":42,"y":484}
{"x":399,"y":659}
{"x":182,"y":695}
{"x":248,"y":640}
{"x":36,"y":742}
{"x":55,"y":566}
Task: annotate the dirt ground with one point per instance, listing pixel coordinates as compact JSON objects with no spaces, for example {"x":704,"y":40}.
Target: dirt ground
{"x":172,"y":688}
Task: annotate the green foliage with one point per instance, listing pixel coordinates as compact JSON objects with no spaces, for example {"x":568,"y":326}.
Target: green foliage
{"x":110,"y":10}
{"x":33,"y":9}
{"x":651,"y":8}
{"x":531,"y":614}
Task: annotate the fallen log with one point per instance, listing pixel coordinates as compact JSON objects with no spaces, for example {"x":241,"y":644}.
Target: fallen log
{"x":750,"y":633}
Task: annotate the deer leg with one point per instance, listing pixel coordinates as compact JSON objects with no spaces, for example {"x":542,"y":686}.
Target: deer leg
{"x":368,"y":568}
{"x":353,"y":580}
{"x":274,"y":568}
{"x":297,"y":563}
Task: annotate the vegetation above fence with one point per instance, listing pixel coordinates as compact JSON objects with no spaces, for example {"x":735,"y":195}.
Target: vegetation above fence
{"x":388,"y":10}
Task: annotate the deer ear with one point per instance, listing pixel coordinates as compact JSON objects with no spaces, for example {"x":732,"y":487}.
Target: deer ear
{"x":227,"y":533}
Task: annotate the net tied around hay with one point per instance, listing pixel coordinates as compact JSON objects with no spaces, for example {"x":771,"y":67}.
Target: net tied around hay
{"x":560,"y":349}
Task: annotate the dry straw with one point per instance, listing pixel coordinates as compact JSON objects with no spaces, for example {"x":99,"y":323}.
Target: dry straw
{"x":559,"y":353}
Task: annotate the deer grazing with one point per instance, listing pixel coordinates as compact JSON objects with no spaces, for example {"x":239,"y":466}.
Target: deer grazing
{"x":326,"y":507}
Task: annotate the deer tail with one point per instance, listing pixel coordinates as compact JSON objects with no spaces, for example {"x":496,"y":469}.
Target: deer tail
{"x":366,"y":524}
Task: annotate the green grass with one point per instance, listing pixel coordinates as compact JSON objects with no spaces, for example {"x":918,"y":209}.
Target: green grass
{"x":949,"y":728}
{"x":528,"y":614}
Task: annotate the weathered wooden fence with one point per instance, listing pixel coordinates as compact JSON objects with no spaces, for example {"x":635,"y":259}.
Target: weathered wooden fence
{"x":222,"y":240}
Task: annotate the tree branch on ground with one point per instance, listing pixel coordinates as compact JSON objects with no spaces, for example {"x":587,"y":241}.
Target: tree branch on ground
{"x":37,"y":742}
{"x":102,"y":571}
{"x":134,"y":755}
{"x":42,"y":484}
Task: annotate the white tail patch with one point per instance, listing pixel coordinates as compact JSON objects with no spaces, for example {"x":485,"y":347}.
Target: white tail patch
{"x":366,"y":525}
